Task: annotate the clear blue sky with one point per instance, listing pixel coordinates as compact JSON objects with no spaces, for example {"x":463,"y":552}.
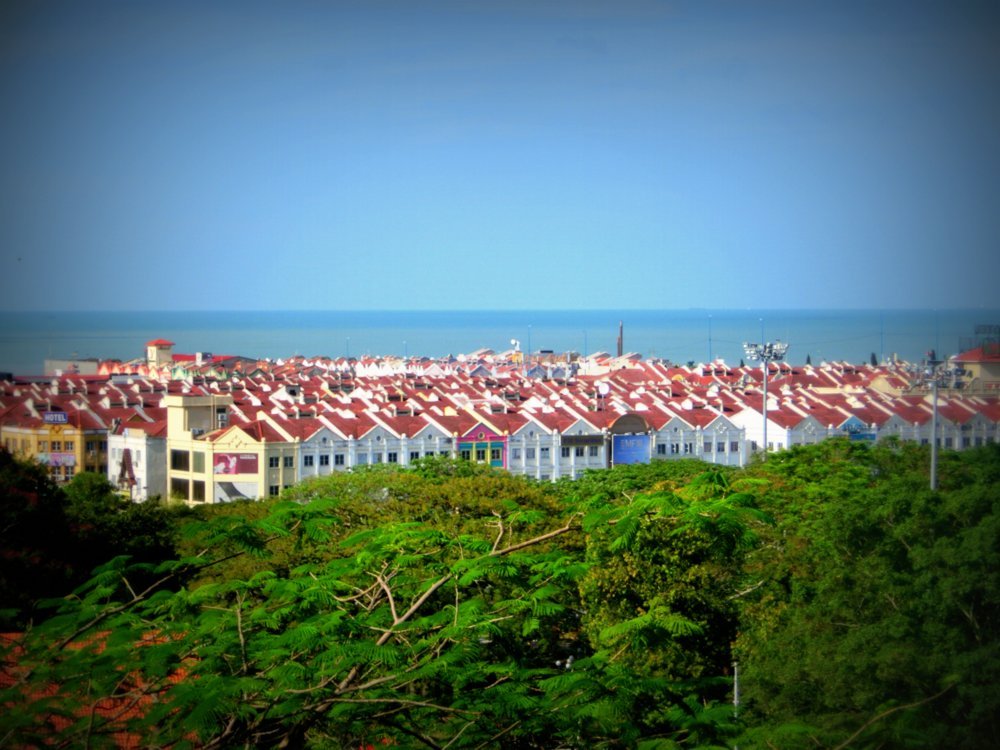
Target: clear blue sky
{"x":536,"y":154}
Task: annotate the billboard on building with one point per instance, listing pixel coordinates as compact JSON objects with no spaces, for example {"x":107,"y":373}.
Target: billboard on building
{"x":630,"y":449}
{"x":226,"y":492}
{"x":234,"y":463}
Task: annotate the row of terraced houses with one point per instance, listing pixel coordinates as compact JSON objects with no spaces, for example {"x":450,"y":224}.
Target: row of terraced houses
{"x":208,"y":429}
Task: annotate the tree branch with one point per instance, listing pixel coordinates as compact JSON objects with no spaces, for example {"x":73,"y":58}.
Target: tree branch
{"x":893,"y":710}
{"x":388,"y":593}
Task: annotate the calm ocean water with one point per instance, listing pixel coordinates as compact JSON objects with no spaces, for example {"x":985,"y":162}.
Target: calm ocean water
{"x":27,"y":339}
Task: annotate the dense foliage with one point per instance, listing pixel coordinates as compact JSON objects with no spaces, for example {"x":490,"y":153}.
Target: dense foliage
{"x":450,"y":605}
{"x":52,"y":537}
{"x":875,"y":606}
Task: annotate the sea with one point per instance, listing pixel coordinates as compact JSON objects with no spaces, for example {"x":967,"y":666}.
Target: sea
{"x":27,"y":339}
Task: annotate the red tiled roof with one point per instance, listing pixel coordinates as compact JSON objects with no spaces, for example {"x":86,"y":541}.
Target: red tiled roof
{"x":980,"y":354}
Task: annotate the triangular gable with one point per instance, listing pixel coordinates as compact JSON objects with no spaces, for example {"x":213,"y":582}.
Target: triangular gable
{"x":852,"y":424}
{"x":429,"y":429}
{"x":237,"y":436}
{"x":581,"y":427}
{"x":481,"y":431}
{"x":323,"y":435}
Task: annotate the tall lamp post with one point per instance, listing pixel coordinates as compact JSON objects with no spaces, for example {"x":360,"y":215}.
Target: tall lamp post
{"x":934,"y":376}
{"x":766,"y":353}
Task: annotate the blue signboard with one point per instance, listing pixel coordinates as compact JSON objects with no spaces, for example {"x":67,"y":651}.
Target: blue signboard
{"x":55,"y":417}
{"x":855,"y":429}
{"x":630,"y":449}
{"x":868,"y":437}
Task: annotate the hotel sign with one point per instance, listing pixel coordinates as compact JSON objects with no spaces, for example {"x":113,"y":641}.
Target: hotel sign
{"x":55,"y":417}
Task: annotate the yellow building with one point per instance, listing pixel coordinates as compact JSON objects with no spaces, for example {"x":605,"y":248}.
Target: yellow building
{"x":211,"y":461}
{"x":66,"y":442}
{"x":982,"y":367}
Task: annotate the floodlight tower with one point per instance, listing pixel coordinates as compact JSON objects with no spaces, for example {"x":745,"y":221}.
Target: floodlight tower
{"x":765,"y":352}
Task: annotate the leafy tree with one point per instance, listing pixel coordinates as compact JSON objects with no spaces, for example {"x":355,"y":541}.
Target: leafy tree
{"x":53,"y":537}
{"x":680,"y":556}
{"x":448,"y":607}
{"x":419,"y":633}
{"x":873,"y":620}
{"x":103,"y":524}
{"x":32,"y":539}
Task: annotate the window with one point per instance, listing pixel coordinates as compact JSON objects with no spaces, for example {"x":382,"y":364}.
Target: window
{"x":515,"y":453}
{"x":720,"y":447}
{"x":43,"y":446}
{"x":966,"y":442}
{"x":661,"y":449}
{"x":338,"y":459}
{"x":308,"y":460}
{"x":565,"y":451}
{"x":362,"y":459}
{"x":376,"y":458}
{"x":68,"y":446}
{"x":689,"y":447}
{"x":179,"y":488}
{"x":288,"y":462}
{"x":197,"y":461}
{"x":494,"y":454}
{"x":392,"y":457}
{"x":708,"y":446}
{"x":324,"y":460}
{"x":753,"y":445}
{"x":414,"y":455}
{"x":198,"y":491}
{"x":949,"y":442}
{"x":180,"y":461}
{"x":675,"y":449}
{"x":465,"y":454}
{"x":734,"y":446}
{"x":56,"y":446}
{"x":544,"y":453}
{"x":91,"y":446}
{"x":579,"y":451}
{"x":480,"y":454}
{"x":273,"y":462}
{"x":273,"y":490}
{"x":103,"y":445}
{"x":593,"y":451}
{"x":529,"y":453}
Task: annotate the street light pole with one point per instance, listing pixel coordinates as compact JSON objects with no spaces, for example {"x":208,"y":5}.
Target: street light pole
{"x":935,"y":374}
{"x":766,"y":352}
{"x":934,"y":431}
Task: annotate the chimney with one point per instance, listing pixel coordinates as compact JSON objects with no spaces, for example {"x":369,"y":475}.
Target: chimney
{"x":620,"y":337}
